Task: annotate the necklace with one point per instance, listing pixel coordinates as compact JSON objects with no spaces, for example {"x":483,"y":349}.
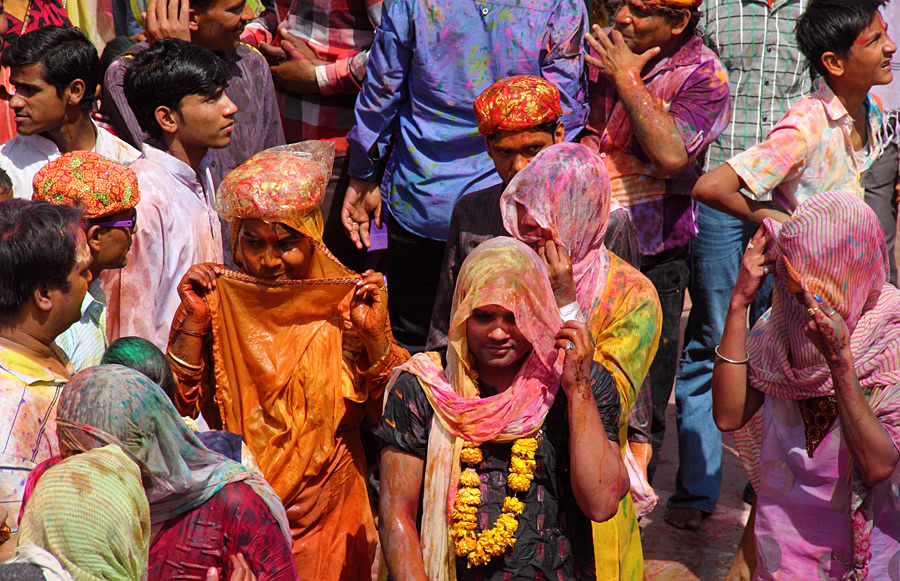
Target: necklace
{"x":481,"y":547}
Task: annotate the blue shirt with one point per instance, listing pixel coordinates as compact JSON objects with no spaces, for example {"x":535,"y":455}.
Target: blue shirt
{"x":429,"y":62}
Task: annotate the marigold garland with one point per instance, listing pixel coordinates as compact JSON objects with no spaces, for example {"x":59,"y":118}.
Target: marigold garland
{"x":481,"y":547}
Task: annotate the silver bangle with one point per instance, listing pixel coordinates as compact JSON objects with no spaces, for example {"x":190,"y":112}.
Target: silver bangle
{"x":732,"y":361}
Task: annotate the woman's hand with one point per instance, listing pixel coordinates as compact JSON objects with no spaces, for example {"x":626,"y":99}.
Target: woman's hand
{"x":368,"y":309}
{"x":827,"y":330}
{"x":241,"y":570}
{"x":195,"y":284}
{"x":559,"y":268}
{"x":574,"y":338}
{"x":755,"y":266}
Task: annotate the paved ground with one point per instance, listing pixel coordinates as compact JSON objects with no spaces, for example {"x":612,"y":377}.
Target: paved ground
{"x":704,"y":555}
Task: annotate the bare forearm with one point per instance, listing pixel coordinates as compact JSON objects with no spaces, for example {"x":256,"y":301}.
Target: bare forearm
{"x":599,"y":478}
{"x":398,"y":505}
{"x":870,"y":446}
{"x":720,"y":189}
{"x":654,"y":128}
{"x":734,"y":400}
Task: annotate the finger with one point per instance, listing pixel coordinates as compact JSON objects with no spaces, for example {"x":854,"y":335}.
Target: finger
{"x":353,"y":232}
{"x":618,"y":40}
{"x":168,"y":11}
{"x":377,"y":215}
{"x":602,"y":38}
{"x":292,"y":52}
{"x":592,"y":42}
{"x":649,"y":54}
{"x":552,"y":255}
{"x":364,"y":233}
{"x":212,"y":574}
{"x":185,"y":10}
{"x":593,"y":61}
{"x":299,"y":44}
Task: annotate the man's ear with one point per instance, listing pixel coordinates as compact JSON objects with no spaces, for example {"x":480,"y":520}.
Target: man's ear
{"x":74,"y":93}
{"x":833,"y":64}
{"x":42,"y":298}
{"x":93,"y":238}
{"x":559,"y":135}
{"x":168,"y":119}
{"x":679,"y":27}
{"x":193,"y":25}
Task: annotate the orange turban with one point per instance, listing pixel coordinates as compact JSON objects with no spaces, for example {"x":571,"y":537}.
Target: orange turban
{"x":100,"y":186}
{"x":517,"y":104}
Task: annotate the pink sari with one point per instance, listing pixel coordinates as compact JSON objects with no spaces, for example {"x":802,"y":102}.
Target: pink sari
{"x":834,"y":245}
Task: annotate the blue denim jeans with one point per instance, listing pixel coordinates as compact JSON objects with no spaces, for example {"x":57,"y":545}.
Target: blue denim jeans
{"x":715,"y":259}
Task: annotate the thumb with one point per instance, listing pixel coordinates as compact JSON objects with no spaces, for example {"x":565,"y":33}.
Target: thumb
{"x":649,"y":54}
{"x":212,"y":574}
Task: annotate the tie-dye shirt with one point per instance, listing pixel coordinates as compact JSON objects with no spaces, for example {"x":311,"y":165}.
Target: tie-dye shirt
{"x":809,"y":151}
{"x":691,"y":85}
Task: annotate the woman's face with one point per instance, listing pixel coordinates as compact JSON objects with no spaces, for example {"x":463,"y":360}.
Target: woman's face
{"x":528,"y":226}
{"x":274,"y":251}
{"x":494,"y":338}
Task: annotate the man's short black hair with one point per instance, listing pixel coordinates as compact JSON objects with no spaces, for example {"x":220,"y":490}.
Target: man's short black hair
{"x":66,"y":55}
{"x":166,"y":73}
{"x":833,"y":26}
{"x":673,"y":16}
{"x":549,"y":127}
{"x":37,"y":248}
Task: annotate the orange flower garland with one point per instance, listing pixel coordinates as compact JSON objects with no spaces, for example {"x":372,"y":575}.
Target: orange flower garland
{"x":480,"y":547}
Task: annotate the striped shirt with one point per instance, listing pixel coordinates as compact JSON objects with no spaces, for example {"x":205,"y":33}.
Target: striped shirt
{"x":766,"y":71}
{"x":339,"y":32}
{"x":85,"y":342}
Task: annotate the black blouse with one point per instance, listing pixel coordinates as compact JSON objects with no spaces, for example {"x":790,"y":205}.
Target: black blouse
{"x":554,"y":538}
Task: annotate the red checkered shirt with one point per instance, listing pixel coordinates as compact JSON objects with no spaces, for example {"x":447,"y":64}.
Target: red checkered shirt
{"x":339,"y":32}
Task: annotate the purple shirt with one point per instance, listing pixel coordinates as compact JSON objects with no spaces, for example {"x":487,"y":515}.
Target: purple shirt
{"x":691,"y":85}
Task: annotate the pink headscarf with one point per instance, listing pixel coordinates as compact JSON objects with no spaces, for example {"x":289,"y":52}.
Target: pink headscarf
{"x":833,"y":245}
{"x":504,"y":272}
{"x":565,"y":188}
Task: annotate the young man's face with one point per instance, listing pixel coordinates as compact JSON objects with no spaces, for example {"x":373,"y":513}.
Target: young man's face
{"x":869,"y":62}
{"x":513,"y":150}
{"x":207,"y":121}
{"x":641,"y":27}
{"x":220,"y":27}
{"x":36,"y":105}
{"x":493,"y":337}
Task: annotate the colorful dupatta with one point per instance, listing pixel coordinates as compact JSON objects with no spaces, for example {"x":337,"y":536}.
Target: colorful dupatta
{"x":91,"y":513}
{"x":503,"y":272}
{"x":112,"y":404}
{"x":833,"y":245}
{"x":566,"y":190}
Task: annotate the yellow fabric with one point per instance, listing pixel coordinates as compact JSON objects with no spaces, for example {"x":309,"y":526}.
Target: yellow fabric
{"x":626,"y":328}
{"x":90,"y":511}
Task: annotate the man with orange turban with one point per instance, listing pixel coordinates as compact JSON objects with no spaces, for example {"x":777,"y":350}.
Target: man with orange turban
{"x":107,"y":193}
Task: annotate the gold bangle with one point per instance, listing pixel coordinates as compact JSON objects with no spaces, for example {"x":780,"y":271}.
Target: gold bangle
{"x":377,"y":363}
{"x":184,"y":363}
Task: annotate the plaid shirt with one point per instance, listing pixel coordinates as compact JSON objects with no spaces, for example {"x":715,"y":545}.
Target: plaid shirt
{"x":339,"y":32}
{"x":476,"y":218}
{"x":766,"y":71}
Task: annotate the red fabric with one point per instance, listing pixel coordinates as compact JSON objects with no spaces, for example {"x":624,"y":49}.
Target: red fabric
{"x":99,"y":185}
{"x":235,"y":520}
{"x":516,"y":104}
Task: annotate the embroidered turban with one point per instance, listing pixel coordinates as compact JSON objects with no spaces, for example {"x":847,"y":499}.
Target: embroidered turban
{"x":284,"y":184}
{"x":100,"y":186}
{"x":517,"y":104}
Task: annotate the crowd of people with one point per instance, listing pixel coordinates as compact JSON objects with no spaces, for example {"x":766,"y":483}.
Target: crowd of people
{"x":393,"y":290}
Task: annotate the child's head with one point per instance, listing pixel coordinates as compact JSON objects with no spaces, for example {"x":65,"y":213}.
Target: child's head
{"x":177,"y":89}
{"x":847,"y":40}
